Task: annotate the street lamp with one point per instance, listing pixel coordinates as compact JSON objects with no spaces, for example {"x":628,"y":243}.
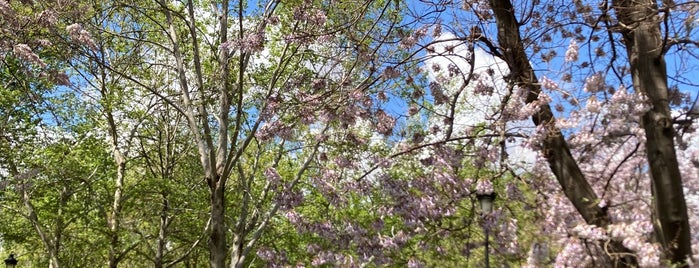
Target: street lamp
{"x":10,"y":262}
{"x":486,"y":201}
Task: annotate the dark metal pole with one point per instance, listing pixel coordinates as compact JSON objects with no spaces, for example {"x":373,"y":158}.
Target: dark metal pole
{"x":487,"y":257}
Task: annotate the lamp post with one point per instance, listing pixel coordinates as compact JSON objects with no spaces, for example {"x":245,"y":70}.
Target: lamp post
{"x":486,"y":201}
{"x":10,"y":262}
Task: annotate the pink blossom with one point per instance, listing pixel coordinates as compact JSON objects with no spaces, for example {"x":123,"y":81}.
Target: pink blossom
{"x":593,"y":105}
{"x":548,"y":83}
{"x":44,"y":42}
{"x":318,"y":17}
{"x":438,"y":93}
{"x":413,"y":110}
{"x":250,"y":43}
{"x":483,"y":88}
{"x":80,"y":35}
{"x":5,"y":8}
{"x":318,"y":83}
{"x":484,"y":186}
{"x":437,"y":30}
{"x":24,"y":52}
{"x":564,"y":123}
{"x":61,"y":78}
{"x":273,"y":20}
{"x":272,"y":176}
{"x":384,"y":123}
{"x":410,"y":40}
{"x":594,"y":83}
{"x":266,"y":254}
{"x":543,"y":98}
{"x":414,"y":263}
{"x":590,"y":232}
{"x":293,"y":217}
{"x":226,"y":46}
{"x":572,"y":52}
{"x":342,"y":162}
{"x":620,"y":96}
{"x":272,"y":129}
{"x":390,"y":73}
{"x":640,"y":105}
{"x":573,"y":254}
{"x":47,"y":18}
{"x":289,"y":198}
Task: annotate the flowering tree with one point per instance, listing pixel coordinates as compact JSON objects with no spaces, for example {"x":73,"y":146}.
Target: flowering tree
{"x":352,"y":133}
{"x":596,"y":151}
{"x":239,"y":88}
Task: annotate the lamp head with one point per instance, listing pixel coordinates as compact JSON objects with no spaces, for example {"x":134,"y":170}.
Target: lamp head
{"x":486,"y":201}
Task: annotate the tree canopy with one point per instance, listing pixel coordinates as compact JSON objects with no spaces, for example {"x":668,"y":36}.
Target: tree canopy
{"x":349,"y":133}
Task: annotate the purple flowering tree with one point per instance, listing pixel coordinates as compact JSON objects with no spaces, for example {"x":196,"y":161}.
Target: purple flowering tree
{"x":605,"y":122}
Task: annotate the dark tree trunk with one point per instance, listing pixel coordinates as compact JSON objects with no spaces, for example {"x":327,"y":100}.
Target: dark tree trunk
{"x":644,"y":46}
{"x":555,"y":148}
{"x":217,"y":236}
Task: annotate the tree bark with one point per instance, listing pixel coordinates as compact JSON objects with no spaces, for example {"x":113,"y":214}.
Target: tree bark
{"x":555,"y":148}
{"x":646,"y":53}
{"x":217,"y":237}
{"x":113,"y":221}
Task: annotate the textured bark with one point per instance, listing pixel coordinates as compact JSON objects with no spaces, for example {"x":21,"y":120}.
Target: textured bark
{"x":644,"y":45}
{"x":555,"y":148}
{"x":217,"y":236}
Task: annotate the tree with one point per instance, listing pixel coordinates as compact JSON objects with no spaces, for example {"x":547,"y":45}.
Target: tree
{"x":646,"y":49}
{"x":347,"y":132}
{"x":528,"y":30}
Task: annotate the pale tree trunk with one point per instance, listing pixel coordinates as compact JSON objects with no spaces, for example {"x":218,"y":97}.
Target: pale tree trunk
{"x":644,"y":43}
{"x":555,"y":149}
{"x":45,"y":239}
{"x":51,"y":245}
{"x":113,"y":220}
{"x":217,"y":186}
{"x":217,"y":159}
{"x":198,"y":125}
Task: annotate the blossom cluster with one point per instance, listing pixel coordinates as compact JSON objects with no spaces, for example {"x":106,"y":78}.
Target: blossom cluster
{"x":410,"y":40}
{"x":23,"y":51}
{"x":384,"y":122}
{"x":81,"y":36}
{"x":572,"y":52}
{"x":594,"y":83}
{"x":5,"y":8}
{"x":250,"y":43}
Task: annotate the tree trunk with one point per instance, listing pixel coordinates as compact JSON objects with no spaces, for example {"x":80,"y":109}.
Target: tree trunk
{"x":555,"y":148}
{"x":113,"y":220}
{"x":162,"y":231}
{"x":45,"y":239}
{"x":217,"y":236}
{"x":644,"y":46}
